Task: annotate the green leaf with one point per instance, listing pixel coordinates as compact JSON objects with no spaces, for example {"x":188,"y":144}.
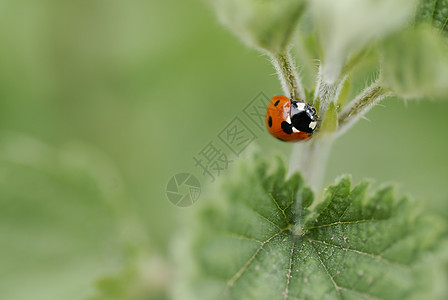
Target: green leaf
{"x":267,"y":24}
{"x":257,"y":239}
{"x":415,"y":64}
{"x":344,"y":94}
{"x":344,"y":27}
{"x":330,"y":122}
{"x":434,"y":12}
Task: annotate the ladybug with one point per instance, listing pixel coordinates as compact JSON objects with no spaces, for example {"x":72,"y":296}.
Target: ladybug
{"x":289,"y":120}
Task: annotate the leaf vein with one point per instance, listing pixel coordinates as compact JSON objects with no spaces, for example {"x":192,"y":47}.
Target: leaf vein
{"x":241,"y":237}
{"x":345,"y":210}
{"x":338,"y":287}
{"x":343,"y":223}
{"x":241,"y":271}
{"x":371,"y":255}
{"x":279,"y":208}
{"x":288,"y":276}
{"x":444,"y":25}
{"x":259,"y":214}
{"x":326,"y":270}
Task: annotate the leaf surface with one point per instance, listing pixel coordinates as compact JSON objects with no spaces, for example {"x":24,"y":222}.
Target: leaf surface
{"x":259,"y":240}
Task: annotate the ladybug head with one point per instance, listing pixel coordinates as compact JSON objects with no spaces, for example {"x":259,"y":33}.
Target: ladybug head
{"x":303,"y":116}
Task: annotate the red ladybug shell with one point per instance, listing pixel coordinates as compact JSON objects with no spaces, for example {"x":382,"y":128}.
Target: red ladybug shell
{"x":278,"y":111}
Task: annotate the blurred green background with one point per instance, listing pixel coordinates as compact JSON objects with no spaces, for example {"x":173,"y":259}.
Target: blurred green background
{"x":101,"y":102}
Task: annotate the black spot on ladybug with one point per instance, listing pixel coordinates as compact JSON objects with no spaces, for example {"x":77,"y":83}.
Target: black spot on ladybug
{"x":281,"y":139}
{"x":277,"y":102}
{"x":270,"y":121}
{"x":286,"y":127}
{"x":301,"y":121}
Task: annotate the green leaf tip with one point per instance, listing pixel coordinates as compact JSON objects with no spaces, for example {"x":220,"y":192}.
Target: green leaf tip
{"x":268,"y":243}
{"x":330,"y":122}
{"x":267,"y":24}
{"x":415,"y":64}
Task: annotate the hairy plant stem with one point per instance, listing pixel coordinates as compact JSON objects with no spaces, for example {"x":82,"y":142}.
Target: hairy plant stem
{"x":365,"y":101}
{"x":291,"y":83}
{"x":327,"y":92}
{"x":310,"y":158}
